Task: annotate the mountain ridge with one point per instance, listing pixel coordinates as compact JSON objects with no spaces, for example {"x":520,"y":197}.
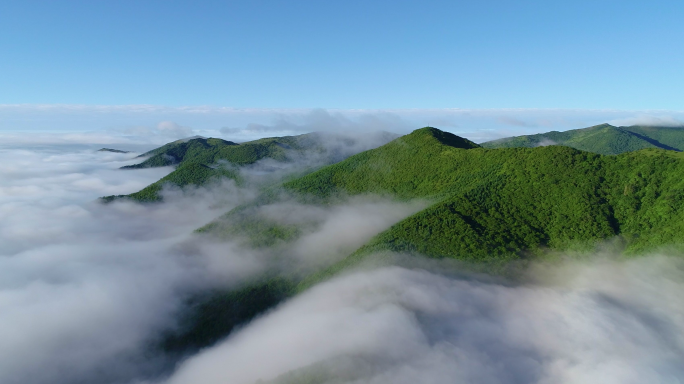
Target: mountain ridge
{"x":604,"y":139}
{"x":224,"y":159}
{"x":546,"y":196}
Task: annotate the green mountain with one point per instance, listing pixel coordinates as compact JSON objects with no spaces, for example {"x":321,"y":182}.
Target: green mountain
{"x":604,"y":139}
{"x":199,"y":160}
{"x":209,"y":151}
{"x":509,"y":202}
{"x":489,"y":207}
{"x":186,"y":174}
{"x":503,"y":203}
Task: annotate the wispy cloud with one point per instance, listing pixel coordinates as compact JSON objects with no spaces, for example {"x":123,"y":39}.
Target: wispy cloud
{"x":320,"y":120}
{"x":249,"y":123}
{"x":660,"y":120}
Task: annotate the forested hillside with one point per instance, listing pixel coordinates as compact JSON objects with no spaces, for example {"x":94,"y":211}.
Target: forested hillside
{"x":503,"y":203}
{"x":199,"y":160}
{"x":209,"y":151}
{"x":604,"y":139}
{"x":186,"y":174}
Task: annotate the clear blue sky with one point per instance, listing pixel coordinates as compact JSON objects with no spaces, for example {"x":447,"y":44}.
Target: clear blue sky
{"x":344,"y":54}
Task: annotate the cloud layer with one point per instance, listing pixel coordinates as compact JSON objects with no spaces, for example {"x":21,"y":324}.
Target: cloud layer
{"x":131,"y":124}
{"x":602,"y":322}
{"x":86,"y":288}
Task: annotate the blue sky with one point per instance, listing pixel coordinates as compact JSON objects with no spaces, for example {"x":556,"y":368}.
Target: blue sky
{"x":504,"y":67}
{"x":345,"y":54}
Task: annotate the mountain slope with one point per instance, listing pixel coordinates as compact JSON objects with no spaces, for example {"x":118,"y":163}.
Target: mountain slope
{"x":664,"y":137}
{"x":571,"y":203}
{"x":603,"y":139}
{"x":216,"y":158}
{"x":186,"y":174}
{"x":416,"y":165}
{"x":209,"y":151}
{"x":523,"y":202}
{"x":509,"y":202}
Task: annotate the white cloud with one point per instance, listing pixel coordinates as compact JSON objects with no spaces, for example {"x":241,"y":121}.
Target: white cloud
{"x":320,"y":120}
{"x":164,"y":130}
{"x":515,"y":121}
{"x":250,"y":123}
{"x":652,"y":120}
{"x":545,"y":143}
{"x":602,"y":322}
{"x":85,"y":287}
{"x":135,"y":138}
{"x":333,"y":232}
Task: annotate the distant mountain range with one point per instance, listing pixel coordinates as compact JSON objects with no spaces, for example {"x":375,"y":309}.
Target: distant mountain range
{"x":604,"y":139}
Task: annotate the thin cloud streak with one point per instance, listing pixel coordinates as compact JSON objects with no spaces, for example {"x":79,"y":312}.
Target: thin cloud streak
{"x":240,"y":124}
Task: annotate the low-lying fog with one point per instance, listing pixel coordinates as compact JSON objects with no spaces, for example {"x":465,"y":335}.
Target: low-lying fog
{"x":601,"y":322}
{"x":85,"y":288}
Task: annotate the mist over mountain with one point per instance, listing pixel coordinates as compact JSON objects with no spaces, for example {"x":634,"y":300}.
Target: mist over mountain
{"x":329,"y":259}
{"x":200,"y":160}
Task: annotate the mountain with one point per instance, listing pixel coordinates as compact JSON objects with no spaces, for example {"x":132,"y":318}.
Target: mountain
{"x":506,"y":203}
{"x":488,"y":207}
{"x":210,"y":150}
{"x":604,"y":139}
{"x":199,"y":160}
{"x":499,"y":203}
{"x":111,"y":150}
{"x":189,"y":173}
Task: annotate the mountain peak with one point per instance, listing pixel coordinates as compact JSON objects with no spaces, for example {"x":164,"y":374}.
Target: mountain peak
{"x":186,"y":139}
{"x":443,"y":137}
{"x":602,"y":126}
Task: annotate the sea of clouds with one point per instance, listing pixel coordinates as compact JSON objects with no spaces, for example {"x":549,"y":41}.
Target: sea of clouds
{"x":606,"y":321}
{"x":86,"y":288}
